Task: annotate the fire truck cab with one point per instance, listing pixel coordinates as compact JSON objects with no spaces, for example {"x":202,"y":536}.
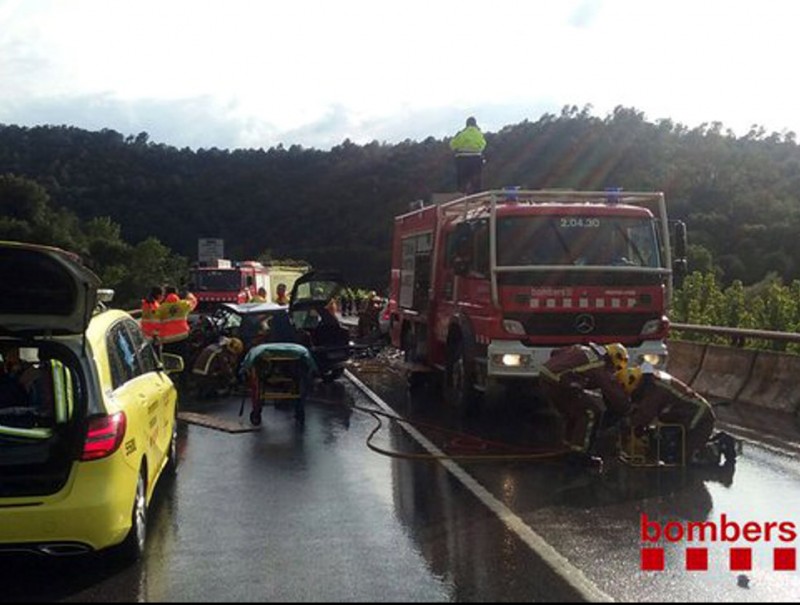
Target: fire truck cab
{"x":225,"y":281}
{"x":484,"y":287}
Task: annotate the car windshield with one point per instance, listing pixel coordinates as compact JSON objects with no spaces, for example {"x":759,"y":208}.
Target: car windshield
{"x":317,"y":291}
{"x":577,"y":240}
{"x":217,"y":279}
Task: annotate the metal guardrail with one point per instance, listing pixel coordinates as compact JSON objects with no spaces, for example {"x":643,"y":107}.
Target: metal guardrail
{"x":738,"y":335}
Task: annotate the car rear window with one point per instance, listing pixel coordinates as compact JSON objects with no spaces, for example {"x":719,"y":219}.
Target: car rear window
{"x":33,"y":283}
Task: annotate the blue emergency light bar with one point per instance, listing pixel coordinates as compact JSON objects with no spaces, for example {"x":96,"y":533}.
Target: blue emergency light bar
{"x":613,"y":194}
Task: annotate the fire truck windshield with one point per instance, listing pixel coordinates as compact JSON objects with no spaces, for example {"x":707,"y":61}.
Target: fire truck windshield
{"x":211,"y":280}
{"x":577,"y":240}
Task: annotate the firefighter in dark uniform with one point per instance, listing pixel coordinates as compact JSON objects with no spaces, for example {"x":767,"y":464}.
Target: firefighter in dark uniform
{"x":567,"y":380}
{"x":657,"y":395}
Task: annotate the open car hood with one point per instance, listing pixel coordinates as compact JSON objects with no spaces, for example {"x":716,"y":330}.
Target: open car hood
{"x":44,"y":290}
{"x":315,"y":289}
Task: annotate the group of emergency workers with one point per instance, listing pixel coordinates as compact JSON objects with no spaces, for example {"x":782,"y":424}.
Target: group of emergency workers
{"x":593,"y":386}
{"x":165,"y":320}
{"x":165,"y":315}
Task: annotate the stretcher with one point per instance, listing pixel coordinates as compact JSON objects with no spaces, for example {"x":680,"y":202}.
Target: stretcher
{"x":278,"y":372}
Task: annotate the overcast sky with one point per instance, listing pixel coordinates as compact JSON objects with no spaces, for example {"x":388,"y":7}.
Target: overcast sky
{"x":256,"y":73}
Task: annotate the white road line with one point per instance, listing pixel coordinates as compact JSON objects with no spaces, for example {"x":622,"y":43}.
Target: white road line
{"x":560,"y":565}
{"x":789,"y":448}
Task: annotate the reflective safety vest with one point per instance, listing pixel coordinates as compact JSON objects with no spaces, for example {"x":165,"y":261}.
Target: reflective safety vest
{"x":51,"y":391}
{"x":174,"y":320}
{"x":150,"y":322}
{"x":469,"y":141}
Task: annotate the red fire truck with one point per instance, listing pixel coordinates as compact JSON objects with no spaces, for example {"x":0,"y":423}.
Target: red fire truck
{"x":225,"y":281}
{"x":484,"y":287}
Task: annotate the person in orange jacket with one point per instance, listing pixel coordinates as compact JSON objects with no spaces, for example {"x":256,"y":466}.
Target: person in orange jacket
{"x":173,"y":314}
{"x":150,"y":322}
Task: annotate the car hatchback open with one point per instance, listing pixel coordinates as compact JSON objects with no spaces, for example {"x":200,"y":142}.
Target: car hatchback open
{"x":87,"y":411}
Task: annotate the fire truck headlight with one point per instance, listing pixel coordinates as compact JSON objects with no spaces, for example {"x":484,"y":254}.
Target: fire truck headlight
{"x":651,"y":358}
{"x":654,"y":359}
{"x":512,"y":326}
{"x":511,"y":360}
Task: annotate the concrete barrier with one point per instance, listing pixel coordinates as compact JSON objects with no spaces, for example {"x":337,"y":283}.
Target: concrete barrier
{"x":762,"y":379}
{"x":685,"y":359}
{"x":774,"y":383}
{"x":724,"y":372}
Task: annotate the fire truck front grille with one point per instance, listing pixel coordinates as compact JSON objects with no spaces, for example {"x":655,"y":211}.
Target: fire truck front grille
{"x":583,"y":326}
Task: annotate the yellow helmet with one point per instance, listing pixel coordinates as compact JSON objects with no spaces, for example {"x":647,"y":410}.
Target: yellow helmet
{"x":629,"y":378}
{"x":235,"y":346}
{"x":618,"y":355}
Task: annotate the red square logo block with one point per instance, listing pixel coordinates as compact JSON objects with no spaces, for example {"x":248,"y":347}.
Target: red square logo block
{"x":696,"y":559}
{"x":784,"y":559}
{"x":652,"y":559}
{"x":741,"y":559}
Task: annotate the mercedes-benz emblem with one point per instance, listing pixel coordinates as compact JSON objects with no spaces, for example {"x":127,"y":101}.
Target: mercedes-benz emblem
{"x":584,"y":323}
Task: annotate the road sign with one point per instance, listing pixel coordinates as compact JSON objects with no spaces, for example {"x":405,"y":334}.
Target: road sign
{"x":210,"y":249}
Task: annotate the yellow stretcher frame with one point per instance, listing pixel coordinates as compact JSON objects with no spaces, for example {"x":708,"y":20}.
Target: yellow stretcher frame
{"x":638,"y":452}
{"x":293,"y":384}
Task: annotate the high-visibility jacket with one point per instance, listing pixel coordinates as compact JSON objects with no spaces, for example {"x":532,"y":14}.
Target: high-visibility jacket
{"x":174,"y":320}
{"x":150,"y":321}
{"x":469,"y":141}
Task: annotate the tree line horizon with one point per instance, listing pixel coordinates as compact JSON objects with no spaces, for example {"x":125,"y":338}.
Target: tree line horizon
{"x":121,"y":201}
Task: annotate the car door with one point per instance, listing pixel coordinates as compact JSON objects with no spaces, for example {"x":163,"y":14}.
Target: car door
{"x":164,"y":402}
{"x":135,"y":393}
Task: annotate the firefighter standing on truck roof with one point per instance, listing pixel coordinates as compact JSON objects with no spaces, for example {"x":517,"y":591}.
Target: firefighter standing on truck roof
{"x":565,"y":381}
{"x":468,"y":145}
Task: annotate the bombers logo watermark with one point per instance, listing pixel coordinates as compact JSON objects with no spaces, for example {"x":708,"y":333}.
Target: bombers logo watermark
{"x":697,"y":534}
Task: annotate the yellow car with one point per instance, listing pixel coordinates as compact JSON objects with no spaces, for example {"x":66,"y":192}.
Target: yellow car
{"x":87,"y":410}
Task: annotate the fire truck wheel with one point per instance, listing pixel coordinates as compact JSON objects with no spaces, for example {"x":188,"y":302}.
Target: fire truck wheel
{"x":459,"y":379}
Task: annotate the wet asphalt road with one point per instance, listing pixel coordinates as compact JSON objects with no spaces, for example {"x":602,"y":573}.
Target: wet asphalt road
{"x":311,"y":513}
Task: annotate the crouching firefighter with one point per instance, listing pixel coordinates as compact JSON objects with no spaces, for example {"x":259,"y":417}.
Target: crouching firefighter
{"x":659,"y":396}
{"x":567,"y":380}
{"x":215,"y":366}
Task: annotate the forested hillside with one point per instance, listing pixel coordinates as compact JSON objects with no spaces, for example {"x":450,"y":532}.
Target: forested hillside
{"x":739,"y":196}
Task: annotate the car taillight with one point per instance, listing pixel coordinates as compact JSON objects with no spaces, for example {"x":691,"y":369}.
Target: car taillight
{"x":104,"y":436}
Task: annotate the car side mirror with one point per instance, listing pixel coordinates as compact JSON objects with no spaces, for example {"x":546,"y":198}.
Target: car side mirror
{"x":679,"y":271}
{"x":681,"y":240}
{"x":171,"y":363}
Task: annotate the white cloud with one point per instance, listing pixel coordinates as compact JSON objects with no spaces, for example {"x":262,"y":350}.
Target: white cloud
{"x":242,"y":73}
